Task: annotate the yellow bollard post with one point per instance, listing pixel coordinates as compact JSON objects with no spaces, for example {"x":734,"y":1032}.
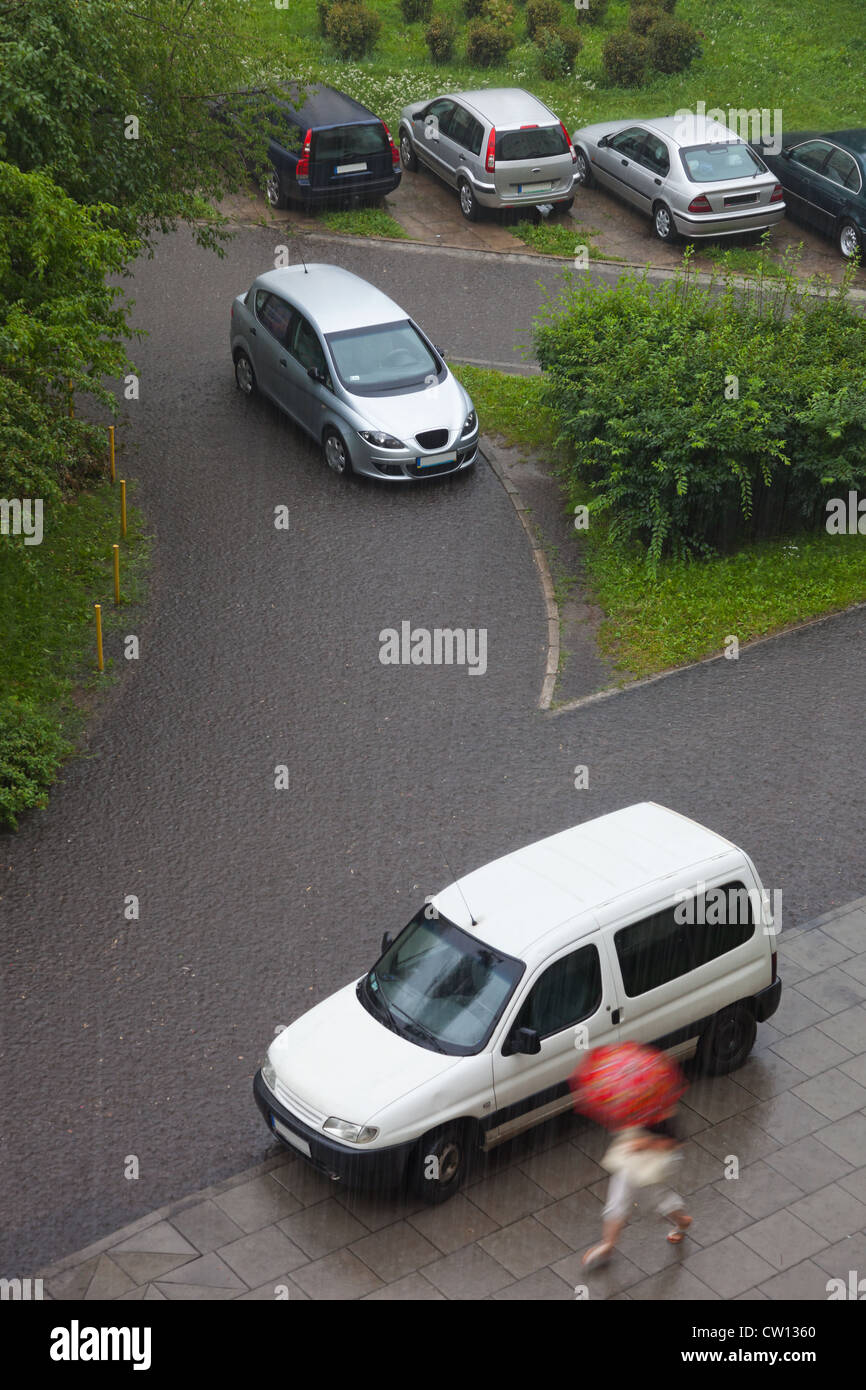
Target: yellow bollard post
{"x":111,"y":450}
{"x":123,"y":508}
{"x":116,"y":549}
{"x":100,"y":664}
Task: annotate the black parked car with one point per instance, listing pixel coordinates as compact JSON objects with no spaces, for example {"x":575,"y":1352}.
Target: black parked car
{"x":824,"y":180}
{"x":322,"y":146}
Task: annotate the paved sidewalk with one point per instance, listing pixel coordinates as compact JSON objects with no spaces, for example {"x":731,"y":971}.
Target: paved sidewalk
{"x":794,"y":1117}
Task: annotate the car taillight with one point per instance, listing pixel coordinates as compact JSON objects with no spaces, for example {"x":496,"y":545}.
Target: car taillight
{"x":490,"y":157}
{"x":778,"y":193}
{"x":568,"y":142}
{"x":395,"y":153}
{"x":701,"y":204}
{"x":303,"y":170}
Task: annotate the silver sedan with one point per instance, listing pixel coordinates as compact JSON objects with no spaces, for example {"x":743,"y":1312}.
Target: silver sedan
{"x":351,"y":368}
{"x":693,"y":176}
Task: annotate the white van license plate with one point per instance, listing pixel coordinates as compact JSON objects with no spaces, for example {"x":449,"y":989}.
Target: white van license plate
{"x":351,"y":169}
{"x":436,"y":458}
{"x":290,"y":1138}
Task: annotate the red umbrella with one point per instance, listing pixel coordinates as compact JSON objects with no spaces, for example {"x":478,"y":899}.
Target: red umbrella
{"x":626,"y":1084}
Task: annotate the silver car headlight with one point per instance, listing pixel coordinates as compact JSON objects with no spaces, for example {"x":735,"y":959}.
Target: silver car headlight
{"x":349,"y":1133}
{"x":382,"y":441}
{"x":470,"y":424}
{"x":269,"y":1076}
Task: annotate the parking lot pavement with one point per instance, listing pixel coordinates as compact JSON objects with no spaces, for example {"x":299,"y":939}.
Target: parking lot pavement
{"x":430,"y":213}
{"x":779,"y":1223}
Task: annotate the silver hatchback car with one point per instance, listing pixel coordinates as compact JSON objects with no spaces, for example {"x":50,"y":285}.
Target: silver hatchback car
{"x":352,"y":369}
{"x":500,"y":148}
{"x":693,"y":176}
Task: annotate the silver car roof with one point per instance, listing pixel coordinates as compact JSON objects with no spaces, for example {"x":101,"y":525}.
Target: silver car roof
{"x":689,"y":129}
{"x":507,"y":106}
{"x":334,"y":298}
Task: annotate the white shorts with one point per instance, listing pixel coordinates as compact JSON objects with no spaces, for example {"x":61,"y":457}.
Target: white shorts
{"x":621,"y":1194}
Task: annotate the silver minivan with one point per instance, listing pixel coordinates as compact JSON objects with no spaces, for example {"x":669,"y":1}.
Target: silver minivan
{"x":499,"y":148}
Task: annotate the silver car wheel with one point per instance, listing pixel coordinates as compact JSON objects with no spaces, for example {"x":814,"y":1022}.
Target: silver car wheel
{"x":244,"y":374}
{"x":581,"y":169}
{"x":272,"y":188}
{"x":468,"y":205}
{"x":407,"y":154}
{"x":663,"y":223}
{"x":849,"y":241}
{"x":336,"y":455}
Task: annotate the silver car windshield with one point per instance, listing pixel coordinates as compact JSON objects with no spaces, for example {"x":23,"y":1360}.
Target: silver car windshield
{"x":386,"y":357}
{"x":719,"y":160}
{"x":443,"y":988}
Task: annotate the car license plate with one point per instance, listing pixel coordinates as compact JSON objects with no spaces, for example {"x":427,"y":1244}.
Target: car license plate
{"x":350,"y":169}
{"x":534,"y":187}
{"x":436,"y":458}
{"x":290,"y":1138}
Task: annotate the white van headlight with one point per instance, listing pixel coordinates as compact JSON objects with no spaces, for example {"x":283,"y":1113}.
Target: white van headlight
{"x":269,"y":1076}
{"x":349,"y":1133}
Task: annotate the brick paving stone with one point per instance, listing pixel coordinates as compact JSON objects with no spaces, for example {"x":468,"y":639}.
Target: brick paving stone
{"x":340,"y":1275}
{"x":729,"y":1266}
{"x":395,"y":1251}
{"x":206,"y":1226}
{"x":562,"y":1170}
{"x":812,"y":1051}
{"x":856,"y":967}
{"x":575,"y":1219}
{"x":644,"y":1242}
{"x":847,"y":1138}
{"x":856,"y":1068}
{"x":718,"y":1097}
{"x":109,"y":1280}
{"x":255,"y":1204}
{"x":855,"y":1183}
{"x":768,"y":1075}
{"x":816,"y":950}
{"x":377,"y":1209}
{"x":803,"y":1283}
{"x":849,"y":930}
{"x":848,"y":1028}
{"x":617,"y":1275}
{"x":305,"y":1184}
{"x":847,"y":1255}
{"x":144,"y":1268}
{"x":797,"y":1012}
{"x":759,"y":1190}
{"x":750,"y":1296}
{"x":148,"y":1294}
{"x":454,"y":1225}
{"x":676,"y":1283}
{"x":195,"y":1293}
{"x":832,"y":1211}
{"x":833,"y":989}
{"x":543,"y":1286}
{"x":508,"y":1197}
{"x":783,"y":1239}
{"x":413,"y":1288}
{"x":832,"y":1094}
{"x":524,"y":1247}
{"x":740,"y":1137}
{"x":160,"y":1239}
{"x":786,"y":1118}
{"x":279,"y":1290}
{"x":320,"y":1229}
{"x":467,"y":1274}
{"x":262,"y":1255}
{"x":714,"y":1216}
{"x":209,"y":1271}
{"x":808,"y":1163}
{"x":72,"y":1283}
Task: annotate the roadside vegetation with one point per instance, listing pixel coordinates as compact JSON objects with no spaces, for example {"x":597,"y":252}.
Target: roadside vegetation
{"x":363,"y":222}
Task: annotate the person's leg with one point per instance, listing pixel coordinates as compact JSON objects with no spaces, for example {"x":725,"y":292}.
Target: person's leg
{"x":670,"y":1205}
{"x":619,"y":1196}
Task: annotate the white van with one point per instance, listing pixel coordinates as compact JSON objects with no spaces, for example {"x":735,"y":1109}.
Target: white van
{"x":639,"y":925}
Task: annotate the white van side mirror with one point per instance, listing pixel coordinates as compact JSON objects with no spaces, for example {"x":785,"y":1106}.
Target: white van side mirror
{"x":522,"y":1040}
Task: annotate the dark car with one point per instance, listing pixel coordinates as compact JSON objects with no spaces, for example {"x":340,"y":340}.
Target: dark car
{"x":824,"y":179}
{"x":322,"y":146}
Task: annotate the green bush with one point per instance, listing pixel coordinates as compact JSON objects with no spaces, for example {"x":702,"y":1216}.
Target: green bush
{"x":624,"y":59}
{"x":666,"y":6}
{"x":487,"y":44}
{"x":640,"y":380}
{"x":672,"y":45}
{"x":643,"y":18}
{"x":352,"y":28}
{"x":542,"y":14}
{"x":31,"y":750}
{"x":499,"y":12}
{"x":439,"y":37}
{"x":323,"y":8}
{"x":557,"y":50}
{"x":415,"y":10}
{"x":592,"y":11}
{"x":472,"y":8}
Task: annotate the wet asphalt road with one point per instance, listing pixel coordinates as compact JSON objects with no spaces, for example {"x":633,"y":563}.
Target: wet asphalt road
{"x":261,"y":648}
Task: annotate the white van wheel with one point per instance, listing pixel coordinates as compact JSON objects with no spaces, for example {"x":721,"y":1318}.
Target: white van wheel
{"x":727,"y":1041}
{"x":438,"y":1164}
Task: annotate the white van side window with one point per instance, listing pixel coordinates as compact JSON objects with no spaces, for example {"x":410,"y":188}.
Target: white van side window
{"x":568,"y":991}
{"x":679,"y":939}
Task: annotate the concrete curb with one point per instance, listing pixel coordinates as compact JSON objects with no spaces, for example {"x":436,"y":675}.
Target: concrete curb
{"x":552,"y":665}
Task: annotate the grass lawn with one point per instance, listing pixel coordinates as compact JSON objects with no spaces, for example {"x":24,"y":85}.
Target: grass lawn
{"x":47,"y":628}
{"x":689,"y":608}
{"x":804,"y":59}
{"x":363,"y":222}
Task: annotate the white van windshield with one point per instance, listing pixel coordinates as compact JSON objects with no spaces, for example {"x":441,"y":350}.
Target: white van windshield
{"x":441,"y":987}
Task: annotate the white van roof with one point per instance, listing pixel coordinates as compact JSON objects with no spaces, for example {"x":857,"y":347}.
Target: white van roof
{"x":523,"y":896}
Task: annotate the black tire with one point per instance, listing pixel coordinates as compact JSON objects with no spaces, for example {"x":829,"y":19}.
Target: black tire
{"x":564,"y":207}
{"x":336,"y":452}
{"x":727,"y":1041}
{"x":663,"y":224}
{"x":245,"y":377}
{"x":848,"y":240}
{"x":582,"y":171}
{"x":469,"y":205}
{"x":407,"y":152}
{"x":274,"y":191}
{"x":435,"y":1181}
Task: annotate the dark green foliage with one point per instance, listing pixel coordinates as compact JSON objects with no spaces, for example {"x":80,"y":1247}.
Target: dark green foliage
{"x":672,"y":45}
{"x":557,"y":50}
{"x":415,"y":10}
{"x":624,"y":59}
{"x":31,"y":750}
{"x":487,"y":44}
{"x":352,"y":28}
{"x":643,"y":18}
{"x":592,"y":11}
{"x":542,"y":14}
{"x":440,"y":36}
